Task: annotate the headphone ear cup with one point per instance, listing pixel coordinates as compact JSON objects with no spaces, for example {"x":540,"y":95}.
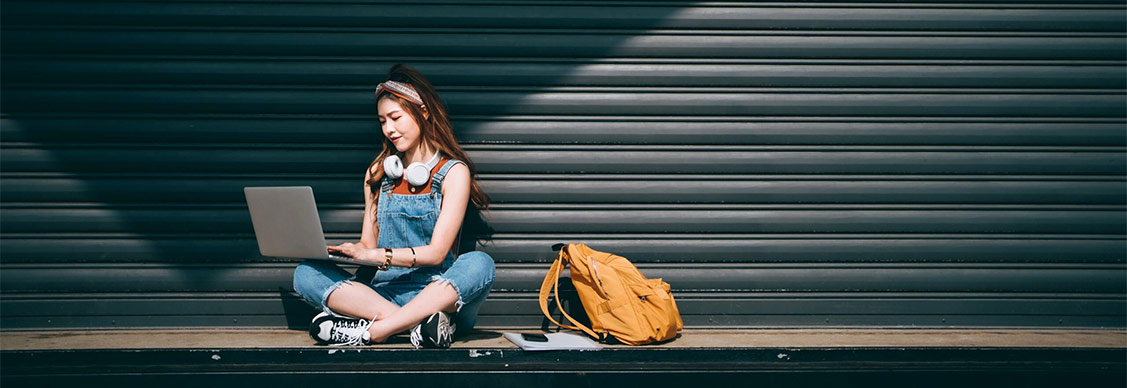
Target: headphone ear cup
{"x":393,"y":167}
{"x":417,"y":174}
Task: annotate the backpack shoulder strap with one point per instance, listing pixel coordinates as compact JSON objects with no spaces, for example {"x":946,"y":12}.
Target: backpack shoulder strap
{"x":552,"y":284}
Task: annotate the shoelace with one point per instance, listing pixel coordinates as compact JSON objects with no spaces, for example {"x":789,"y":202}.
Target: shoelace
{"x":443,"y":335}
{"x":417,"y":336}
{"x":446,"y":336}
{"x":348,"y":332}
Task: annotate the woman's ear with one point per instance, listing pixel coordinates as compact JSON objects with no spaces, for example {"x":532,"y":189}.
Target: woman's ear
{"x":426,"y":114}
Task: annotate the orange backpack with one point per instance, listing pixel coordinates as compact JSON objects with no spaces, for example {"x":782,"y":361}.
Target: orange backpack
{"x":619,"y":300}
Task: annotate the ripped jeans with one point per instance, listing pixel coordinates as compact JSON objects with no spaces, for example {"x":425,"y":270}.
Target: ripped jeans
{"x":471,"y":275}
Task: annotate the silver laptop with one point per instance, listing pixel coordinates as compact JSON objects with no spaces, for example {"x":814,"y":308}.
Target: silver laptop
{"x":286,"y":223}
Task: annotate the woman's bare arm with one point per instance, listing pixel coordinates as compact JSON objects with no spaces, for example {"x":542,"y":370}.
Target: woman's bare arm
{"x":455,"y":198}
{"x":369,"y":232}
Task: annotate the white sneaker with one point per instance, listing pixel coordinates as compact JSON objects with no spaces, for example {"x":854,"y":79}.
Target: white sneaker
{"x":437,"y":331}
{"x":339,"y":330}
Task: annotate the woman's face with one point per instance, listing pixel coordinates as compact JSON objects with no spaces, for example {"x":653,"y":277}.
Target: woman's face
{"x":398,"y":125}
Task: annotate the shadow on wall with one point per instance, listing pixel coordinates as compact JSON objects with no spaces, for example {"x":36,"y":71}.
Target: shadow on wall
{"x":129,"y":131}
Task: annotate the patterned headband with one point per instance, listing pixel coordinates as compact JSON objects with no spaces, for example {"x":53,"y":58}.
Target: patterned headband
{"x":404,"y":91}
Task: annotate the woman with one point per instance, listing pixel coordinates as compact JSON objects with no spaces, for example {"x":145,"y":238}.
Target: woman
{"x":412,"y":221}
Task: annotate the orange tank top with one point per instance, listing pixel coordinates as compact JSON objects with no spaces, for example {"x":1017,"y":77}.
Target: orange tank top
{"x":402,"y":187}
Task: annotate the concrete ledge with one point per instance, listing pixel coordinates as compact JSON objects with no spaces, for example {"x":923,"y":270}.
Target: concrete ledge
{"x":761,"y":358}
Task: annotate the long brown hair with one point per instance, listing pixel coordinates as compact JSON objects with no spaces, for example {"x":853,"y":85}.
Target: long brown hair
{"x":434,"y":127}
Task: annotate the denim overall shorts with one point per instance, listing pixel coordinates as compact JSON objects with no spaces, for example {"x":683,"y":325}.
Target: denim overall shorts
{"x":407,"y":221}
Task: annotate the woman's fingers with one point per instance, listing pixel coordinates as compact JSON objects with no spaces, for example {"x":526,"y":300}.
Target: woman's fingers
{"x":347,"y":251}
{"x":342,"y":247}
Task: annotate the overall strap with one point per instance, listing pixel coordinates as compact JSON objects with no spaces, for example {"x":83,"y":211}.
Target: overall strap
{"x":436,"y":181}
{"x":386,"y":185}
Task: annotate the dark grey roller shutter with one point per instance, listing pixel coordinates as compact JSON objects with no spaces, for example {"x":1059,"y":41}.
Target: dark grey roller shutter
{"x":780,"y":164}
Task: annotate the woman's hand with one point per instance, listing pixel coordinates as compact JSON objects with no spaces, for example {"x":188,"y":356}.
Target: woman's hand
{"x":355,"y":251}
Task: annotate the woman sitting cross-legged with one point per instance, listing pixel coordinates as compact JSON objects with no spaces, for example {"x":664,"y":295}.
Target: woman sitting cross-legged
{"x":416,"y":196}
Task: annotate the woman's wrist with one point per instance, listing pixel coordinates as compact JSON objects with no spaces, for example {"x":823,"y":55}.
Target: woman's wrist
{"x":380,"y":257}
{"x":372,"y":255}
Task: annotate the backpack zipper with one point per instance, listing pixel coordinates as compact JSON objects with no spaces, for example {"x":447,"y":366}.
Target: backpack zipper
{"x":595,"y":268}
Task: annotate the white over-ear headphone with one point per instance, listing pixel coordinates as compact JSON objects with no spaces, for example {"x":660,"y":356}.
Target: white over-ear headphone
{"x":418,"y":173}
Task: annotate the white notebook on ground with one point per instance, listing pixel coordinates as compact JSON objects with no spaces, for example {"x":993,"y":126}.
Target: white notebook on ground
{"x":556,"y":341}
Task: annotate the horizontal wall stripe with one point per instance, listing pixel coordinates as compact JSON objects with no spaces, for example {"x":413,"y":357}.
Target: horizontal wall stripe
{"x":451,"y":74}
{"x":703,"y":148}
{"x":601,"y":177}
{"x":558,"y":130}
{"x":535,"y":15}
{"x":526,"y":322}
{"x":797,"y":3}
{"x":599,"y":33}
{"x":511,"y":160}
{"x":551,"y":102}
{"x":921,"y":278}
{"x":191,"y":315}
{"x":237,"y":219}
{"x":517,"y":310}
{"x":510,"y":296}
{"x":205,"y":189}
{"x":629,"y":44}
{"x":242,"y":248}
{"x":509,"y":304}
{"x":471,"y":61}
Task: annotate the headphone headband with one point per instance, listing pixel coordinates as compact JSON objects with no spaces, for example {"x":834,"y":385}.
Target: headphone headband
{"x":417,"y":174}
{"x":432,"y":162}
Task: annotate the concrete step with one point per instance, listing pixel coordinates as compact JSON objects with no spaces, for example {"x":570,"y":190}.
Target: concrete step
{"x":841,"y":357}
